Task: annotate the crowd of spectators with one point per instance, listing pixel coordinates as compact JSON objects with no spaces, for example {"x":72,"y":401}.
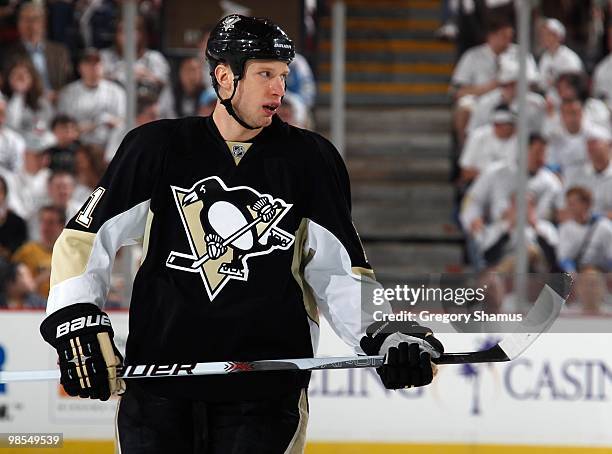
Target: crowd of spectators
{"x":569,"y":188}
{"x":63,"y":104}
{"x":63,"y":116}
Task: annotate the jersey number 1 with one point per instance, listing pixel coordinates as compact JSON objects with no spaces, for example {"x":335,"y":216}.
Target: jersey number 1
{"x":84,"y":218}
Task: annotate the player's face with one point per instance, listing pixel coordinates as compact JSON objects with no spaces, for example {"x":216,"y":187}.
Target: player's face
{"x":260,"y":91}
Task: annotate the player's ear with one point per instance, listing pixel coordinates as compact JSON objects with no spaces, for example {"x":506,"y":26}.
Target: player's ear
{"x":225,"y":78}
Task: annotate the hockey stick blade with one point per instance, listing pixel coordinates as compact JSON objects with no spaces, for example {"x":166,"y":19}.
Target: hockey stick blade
{"x":539,"y":319}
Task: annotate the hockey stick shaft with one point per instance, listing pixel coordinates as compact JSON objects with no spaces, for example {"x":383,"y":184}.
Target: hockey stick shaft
{"x":230,"y":367}
{"x":539,"y":319}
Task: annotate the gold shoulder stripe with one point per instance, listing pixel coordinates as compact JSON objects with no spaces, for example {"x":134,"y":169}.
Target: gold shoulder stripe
{"x":363,"y":272}
{"x":299,"y":262}
{"x":147,"y":233}
{"x":70,"y":255}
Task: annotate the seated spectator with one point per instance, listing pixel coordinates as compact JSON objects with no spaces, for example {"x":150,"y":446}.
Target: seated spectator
{"x":489,"y":196}
{"x":20,"y":289}
{"x":596,"y":175}
{"x":586,"y":238}
{"x":12,"y":145}
{"x":13,"y":229}
{"x":557,"y":58}
{"x":591,"y":292}
{"x":577,"y":17}
{"x":13,"y":198}
{"x":506,"y":93}
{"x":89,"y":166}
{"x":183,"y":98}
{"x":575,"y":85}
{"x":494,"y":142}
{"x":28,"y":111}
{"x":32,"y":180}
{"x":602,"y":77}
{"x":476,"y":71}
{"x":66,"y":132}
{"x":147,"y":110}
{"x":585,"y":246}
{"x":293,"y":111}
{"x":208,"y":102}
{"x":567,"y":152}
{"x":51,"y":60}
{"x":60,"y":194}
{"x":151,"y":69}
{"x":36,"y":255}
{"x":497,"y":244}
{"x":97,"y":104}
{"x":300,"y":81}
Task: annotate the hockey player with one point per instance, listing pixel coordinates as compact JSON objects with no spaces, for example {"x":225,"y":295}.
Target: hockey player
{"x":247,"y":236}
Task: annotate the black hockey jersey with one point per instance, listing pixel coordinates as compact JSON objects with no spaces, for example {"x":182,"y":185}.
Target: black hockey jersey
{"x":243,"y":245}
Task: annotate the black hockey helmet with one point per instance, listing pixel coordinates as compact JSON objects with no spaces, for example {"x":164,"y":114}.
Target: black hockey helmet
{"x":236,"y":39}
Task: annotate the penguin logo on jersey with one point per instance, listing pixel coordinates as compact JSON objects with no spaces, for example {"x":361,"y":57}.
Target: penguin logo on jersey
{"x":225,"y":226}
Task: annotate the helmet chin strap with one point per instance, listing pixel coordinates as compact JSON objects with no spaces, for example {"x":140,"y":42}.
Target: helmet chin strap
{"x":227,"y":103}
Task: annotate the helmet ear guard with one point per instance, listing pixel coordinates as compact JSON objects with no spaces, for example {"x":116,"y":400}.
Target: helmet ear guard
{"x":236,"y":39}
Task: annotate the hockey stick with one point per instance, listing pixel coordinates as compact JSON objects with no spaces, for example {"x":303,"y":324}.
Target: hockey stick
{"x":191,"y":264}
{"x":544,"y":312}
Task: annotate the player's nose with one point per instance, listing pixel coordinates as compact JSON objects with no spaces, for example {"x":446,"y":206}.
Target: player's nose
{"x":278,"y":86}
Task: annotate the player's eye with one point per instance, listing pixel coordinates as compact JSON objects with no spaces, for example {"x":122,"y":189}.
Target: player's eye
{"x":265,"y":74}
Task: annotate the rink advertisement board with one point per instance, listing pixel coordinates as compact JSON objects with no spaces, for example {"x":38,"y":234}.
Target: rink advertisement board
{"x":558,"y":393}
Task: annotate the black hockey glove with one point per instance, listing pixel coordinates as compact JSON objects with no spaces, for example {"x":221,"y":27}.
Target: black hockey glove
{"x":88,"y":359}
{"x":408,"y":348}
